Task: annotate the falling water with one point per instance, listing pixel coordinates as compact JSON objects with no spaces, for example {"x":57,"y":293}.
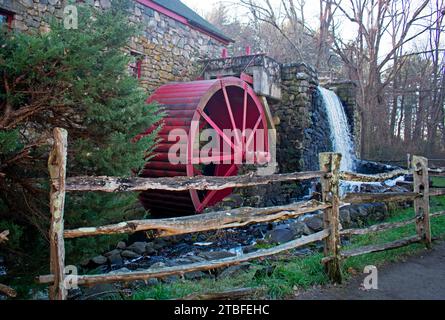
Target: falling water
{"x":340,"y":133}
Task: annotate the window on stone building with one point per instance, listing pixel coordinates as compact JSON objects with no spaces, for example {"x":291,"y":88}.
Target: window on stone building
{"x":136,"y":64}
{"x":6,"y":18}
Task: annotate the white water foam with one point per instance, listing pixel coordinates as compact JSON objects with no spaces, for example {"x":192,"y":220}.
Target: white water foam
{"x":340,"y":133}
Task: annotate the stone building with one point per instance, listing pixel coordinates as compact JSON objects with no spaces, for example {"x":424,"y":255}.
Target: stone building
{"x":174,"y":37}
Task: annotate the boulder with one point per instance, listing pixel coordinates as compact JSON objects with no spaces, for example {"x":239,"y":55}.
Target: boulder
{"x":158,"y":265}
{"x":99,"y":260}
{"x":121,"y":270}
{"x":301,"y":229}
{"x":315,"y":223}
{"x":138,"y":247}
{"x":129,"y":254}
{"x":281,"y":234}
{"x":159,"y":244}
{"x":345,"y":217}
{"x":121,"y":245}
{"x":149,"y":248}
{"x":112,"y":253}
{"x":116,"y":260}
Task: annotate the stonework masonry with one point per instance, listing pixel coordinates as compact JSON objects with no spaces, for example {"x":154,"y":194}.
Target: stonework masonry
{"x":169,"y":50}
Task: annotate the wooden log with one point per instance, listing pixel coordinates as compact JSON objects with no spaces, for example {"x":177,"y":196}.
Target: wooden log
{"x":434,"y":192}
{"x":422,"y":204}
{"x":57,"y":171}
{"x":377,"y":228}
{"x":330,"y":164}
{"x":352,"y":176}
{"x":235,"y":294}
{"x":437,"y":174}
{"x":380,"y":247}
{"x":199,"y":266}
{"x":113,"y":184}
{"x":368,"y":197}
{"x":4,"y":236}
{"x":8,"y":291}
{"x":437,"y":214}
{"x":204,"y":222}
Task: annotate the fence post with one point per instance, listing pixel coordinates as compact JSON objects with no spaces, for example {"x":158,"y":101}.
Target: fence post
{"x":57,"y":171}
{"x":422,"y":204}
{"x":330,"y":163}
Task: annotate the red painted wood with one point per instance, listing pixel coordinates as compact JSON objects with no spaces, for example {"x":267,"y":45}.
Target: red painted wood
{"x":220,"y":104}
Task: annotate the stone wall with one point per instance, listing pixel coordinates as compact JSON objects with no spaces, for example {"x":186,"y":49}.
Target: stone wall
{"x":300,"y":119}
{"x":171,"y":49}
{"x":168,"y":49}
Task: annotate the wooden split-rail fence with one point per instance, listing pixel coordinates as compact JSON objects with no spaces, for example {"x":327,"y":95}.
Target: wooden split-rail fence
{"x":330,"y":177}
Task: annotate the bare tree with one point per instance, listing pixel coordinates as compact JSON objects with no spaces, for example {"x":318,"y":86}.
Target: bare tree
{"x":366,"y":60}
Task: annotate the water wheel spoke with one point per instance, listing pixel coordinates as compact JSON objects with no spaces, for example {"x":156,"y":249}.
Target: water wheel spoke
{"x":210,"y":195}
{"x":244,"y":115}
{"x":252,"y":135}
{"x":217,"y":129}
{"x":230,"y":111}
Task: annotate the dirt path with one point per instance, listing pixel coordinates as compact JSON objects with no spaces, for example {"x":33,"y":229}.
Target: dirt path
{"x":418,"y":277}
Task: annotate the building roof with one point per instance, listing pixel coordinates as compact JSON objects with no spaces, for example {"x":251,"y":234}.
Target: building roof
{"x":193,"y":18}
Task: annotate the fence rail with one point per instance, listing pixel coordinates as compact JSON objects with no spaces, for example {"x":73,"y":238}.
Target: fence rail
{"x":331,"y":234}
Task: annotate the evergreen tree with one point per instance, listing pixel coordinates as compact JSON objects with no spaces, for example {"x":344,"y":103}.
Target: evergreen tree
{"x":76,"y":79}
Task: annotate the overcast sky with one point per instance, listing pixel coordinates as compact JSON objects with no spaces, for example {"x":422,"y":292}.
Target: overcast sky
{"x":347,"y":30}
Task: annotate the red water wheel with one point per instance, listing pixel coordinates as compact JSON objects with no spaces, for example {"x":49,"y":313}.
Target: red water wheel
{"x":227,"y":106}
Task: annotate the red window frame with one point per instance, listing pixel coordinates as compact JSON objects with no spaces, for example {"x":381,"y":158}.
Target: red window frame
{"x":9,"y":17}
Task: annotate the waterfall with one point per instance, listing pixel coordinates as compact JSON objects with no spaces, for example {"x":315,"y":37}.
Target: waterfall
{"x":340,"y":133}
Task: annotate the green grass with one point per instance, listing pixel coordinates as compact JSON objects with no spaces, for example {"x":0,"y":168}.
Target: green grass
{"x":304,"y":272}
{"x":438,"y":182}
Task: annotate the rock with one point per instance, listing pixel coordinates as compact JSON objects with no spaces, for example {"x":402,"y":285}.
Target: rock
{"x":159,"y":244}
{"x":121,"y":270}
{"x":249,"y":249}
{"x":149,"y":248}
{"x":281,"y":234}
{"x":158,"y":265}
{"x":301,"y":229}
{"x":105,"y":4}
{"x":315,"y":223}
{"x":121,"y":245}
{"x":171,"y":279}
{"x":129,"y":254}
{"x":234,"y":270}
{"x":112,"y":253}
{"x":195,"y":275}
{"x":345,"y":217}
{"x":36,"y":294}
{"x":116,"y":259}
{"x":99,"y":260}
{"x":215,"y":255}
{"x":138,"y":247}
{"x":152,"y":282}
